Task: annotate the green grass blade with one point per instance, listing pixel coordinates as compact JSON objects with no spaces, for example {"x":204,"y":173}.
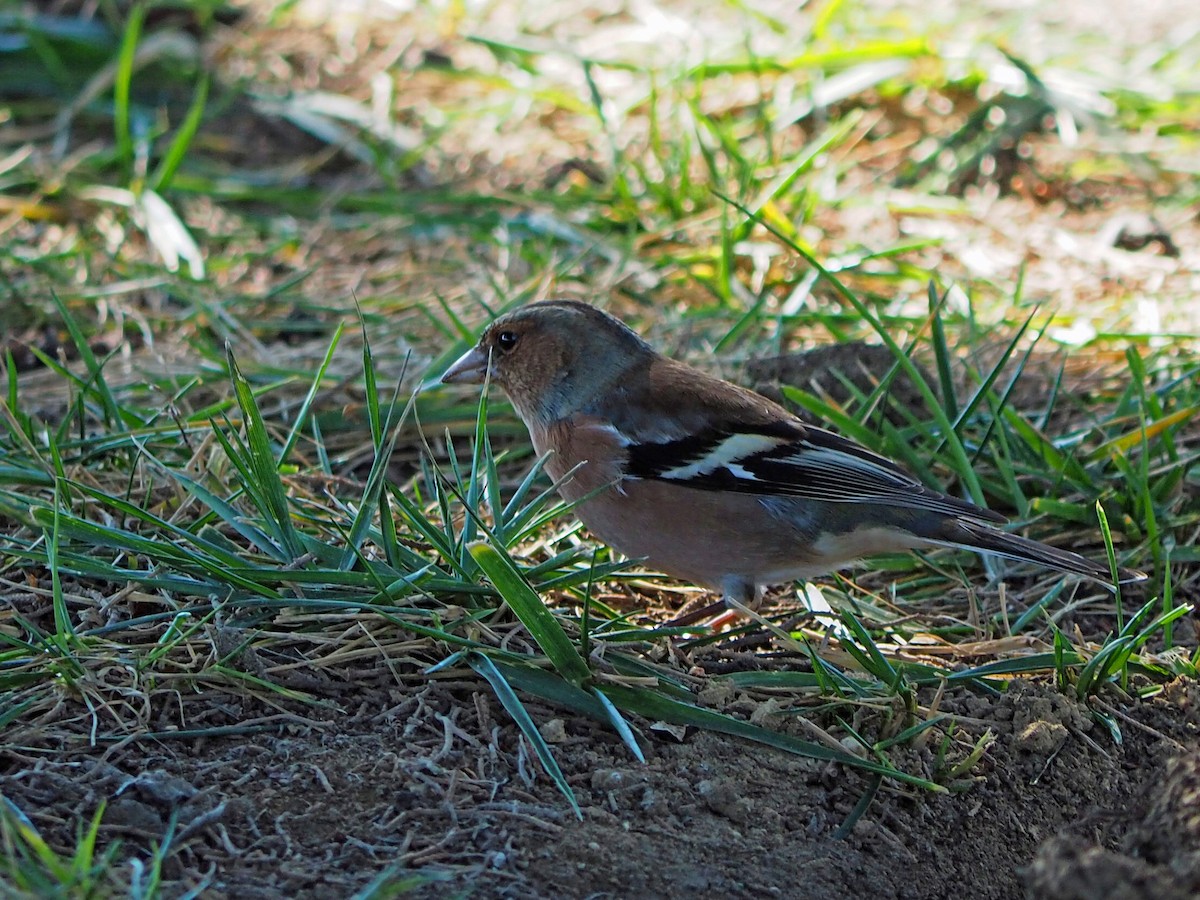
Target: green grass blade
{"x":656,"y":706}
{"x":483,"y":664}
{"x":263,"y":465}
{"x":941,"y":351}
{"x":164,"y":173}
{"x":123,"y":81}
{"x":524,"y":601}
{"x":844,"y":830}
{"x":63,"y":626}
{"x":620,"y":725}
{"x":1113,"y":569}
{"x":96,"y":383}
{"x":310,"y":397}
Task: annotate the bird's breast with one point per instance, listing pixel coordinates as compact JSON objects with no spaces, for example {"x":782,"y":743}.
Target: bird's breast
{"x":592,"y":452}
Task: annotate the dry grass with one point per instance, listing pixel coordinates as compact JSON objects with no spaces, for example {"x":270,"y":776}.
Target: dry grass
{"x":202,"y":559}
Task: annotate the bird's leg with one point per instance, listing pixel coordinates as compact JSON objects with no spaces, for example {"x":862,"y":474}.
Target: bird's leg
{"x":740,"y":598}
{"x":738,"y":609}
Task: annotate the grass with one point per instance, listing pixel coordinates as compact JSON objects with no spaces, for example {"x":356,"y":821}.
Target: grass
{"x":33,"y":868}
{"x":279,"y":483}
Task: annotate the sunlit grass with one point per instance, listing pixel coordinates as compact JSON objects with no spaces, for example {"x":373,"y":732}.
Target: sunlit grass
{"x":240,"y":499}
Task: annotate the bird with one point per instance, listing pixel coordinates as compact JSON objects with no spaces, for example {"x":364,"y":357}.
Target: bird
{"x":708,"y":481}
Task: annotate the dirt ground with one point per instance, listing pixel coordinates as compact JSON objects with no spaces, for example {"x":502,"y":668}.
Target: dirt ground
{"x":317,"y":799}
{"x":383,"y":770}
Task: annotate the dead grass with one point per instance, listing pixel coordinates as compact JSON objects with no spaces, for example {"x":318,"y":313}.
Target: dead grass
{"x":249,"y":721}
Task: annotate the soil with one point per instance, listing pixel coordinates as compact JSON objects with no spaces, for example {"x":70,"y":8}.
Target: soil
{"x":317,"y":799}
{"x":372,"y":770}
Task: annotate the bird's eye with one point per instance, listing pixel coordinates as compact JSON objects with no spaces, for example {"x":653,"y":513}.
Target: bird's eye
{"x":506,"y":340}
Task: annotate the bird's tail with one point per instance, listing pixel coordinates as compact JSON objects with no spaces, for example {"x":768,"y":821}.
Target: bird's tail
{"x":983,"y":538}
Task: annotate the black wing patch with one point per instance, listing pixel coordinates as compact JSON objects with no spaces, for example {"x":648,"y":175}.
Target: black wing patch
{"x":655,"y":460}
{"x":787,"y":460}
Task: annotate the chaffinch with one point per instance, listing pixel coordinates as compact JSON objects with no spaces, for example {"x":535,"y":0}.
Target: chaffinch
{"x":708,"y":481}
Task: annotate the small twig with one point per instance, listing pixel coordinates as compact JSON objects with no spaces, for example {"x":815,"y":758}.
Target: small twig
{"x":1141,"y":726}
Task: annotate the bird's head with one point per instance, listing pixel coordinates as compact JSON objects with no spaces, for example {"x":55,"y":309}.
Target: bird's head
{"x":552,"y":358}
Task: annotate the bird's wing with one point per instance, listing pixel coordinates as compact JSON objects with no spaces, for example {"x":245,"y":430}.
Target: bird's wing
{"x":787,"y":458}
{"x":682,"y":426}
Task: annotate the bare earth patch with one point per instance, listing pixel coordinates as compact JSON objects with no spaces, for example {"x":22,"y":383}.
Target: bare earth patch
{"x":274,"y":767}
{"x":313,"y":802}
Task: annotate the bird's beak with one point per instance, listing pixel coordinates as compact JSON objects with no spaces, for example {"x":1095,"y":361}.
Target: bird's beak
{"x":470,"y":368}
